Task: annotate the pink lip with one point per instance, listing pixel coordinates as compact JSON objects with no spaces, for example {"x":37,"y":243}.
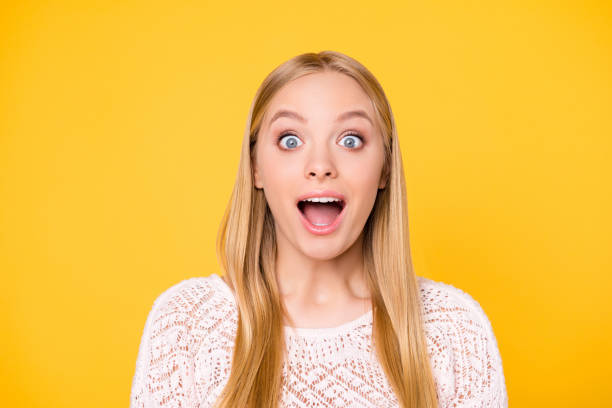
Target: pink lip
{"x":327,"y":229}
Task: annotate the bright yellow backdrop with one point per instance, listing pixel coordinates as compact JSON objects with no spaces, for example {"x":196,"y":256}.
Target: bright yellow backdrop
{"x":120,"y":130}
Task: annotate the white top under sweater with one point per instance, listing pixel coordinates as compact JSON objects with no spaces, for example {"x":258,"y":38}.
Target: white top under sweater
{"x":185,"y":353}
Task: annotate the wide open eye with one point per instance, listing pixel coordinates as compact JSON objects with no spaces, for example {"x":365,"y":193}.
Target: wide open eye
{"x":352,"y":141}
{"x":292,"y":141}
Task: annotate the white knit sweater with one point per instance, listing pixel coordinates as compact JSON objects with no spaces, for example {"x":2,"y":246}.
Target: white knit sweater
{"x":186,"y":350}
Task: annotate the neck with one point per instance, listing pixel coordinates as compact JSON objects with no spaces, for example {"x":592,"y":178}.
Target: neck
{"x":317,"y":282}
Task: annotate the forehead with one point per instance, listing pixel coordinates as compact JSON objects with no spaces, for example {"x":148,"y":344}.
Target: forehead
{"x":322,"y":95}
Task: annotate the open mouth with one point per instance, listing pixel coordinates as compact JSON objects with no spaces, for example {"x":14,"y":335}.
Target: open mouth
{"x":321,"y":213}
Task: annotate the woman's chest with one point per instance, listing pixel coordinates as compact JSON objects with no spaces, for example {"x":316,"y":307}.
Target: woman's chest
{"x":335,"y":372}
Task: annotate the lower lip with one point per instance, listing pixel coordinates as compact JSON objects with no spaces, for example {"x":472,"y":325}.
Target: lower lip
{"x":322,"y":229}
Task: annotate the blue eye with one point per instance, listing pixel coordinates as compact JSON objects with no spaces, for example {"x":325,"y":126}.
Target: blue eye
{"x":292,"y":141}
{"x":352,"y":141}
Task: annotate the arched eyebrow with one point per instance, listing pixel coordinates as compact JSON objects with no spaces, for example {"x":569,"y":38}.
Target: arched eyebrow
{"x":344,"y":116}
{"x":354,"y":113}
{"x":287,"y":114}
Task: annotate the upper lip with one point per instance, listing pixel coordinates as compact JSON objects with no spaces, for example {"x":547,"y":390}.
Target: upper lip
{"x":321,"y":193}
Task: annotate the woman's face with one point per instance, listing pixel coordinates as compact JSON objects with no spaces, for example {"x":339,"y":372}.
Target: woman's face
{"x":318,"y":137}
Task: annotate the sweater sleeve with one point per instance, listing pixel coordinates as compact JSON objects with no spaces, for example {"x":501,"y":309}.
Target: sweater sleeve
{"x":165,"y":364}
{"x":475,"y":359}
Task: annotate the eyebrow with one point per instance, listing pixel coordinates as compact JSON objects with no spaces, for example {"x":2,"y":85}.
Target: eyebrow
{"x":346,"y":115}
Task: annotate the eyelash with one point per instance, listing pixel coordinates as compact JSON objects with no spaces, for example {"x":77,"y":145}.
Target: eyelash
{"x":351,"y":133}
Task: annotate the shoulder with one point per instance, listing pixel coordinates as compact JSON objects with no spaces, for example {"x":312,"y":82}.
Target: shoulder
{"x":188,"y":304}
{"x":441,"y":300}
{"x":453,"y":311}
{"x":462,"y":346}
{"x":183,"y":318}
{"x":185,"y":296}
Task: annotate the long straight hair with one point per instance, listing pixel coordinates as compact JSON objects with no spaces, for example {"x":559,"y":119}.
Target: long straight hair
{"x":246,"y":248}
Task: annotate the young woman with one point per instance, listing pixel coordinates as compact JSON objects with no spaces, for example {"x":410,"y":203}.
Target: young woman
{"x":319,"y":304}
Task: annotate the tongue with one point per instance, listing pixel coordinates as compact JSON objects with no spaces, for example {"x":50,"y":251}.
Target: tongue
{"x":321,"y":213}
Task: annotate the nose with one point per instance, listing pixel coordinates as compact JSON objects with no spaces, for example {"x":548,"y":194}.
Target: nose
{"x":320,"y":165}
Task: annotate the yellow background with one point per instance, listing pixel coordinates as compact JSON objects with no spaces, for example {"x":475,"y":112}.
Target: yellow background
{"x":120,"y":131}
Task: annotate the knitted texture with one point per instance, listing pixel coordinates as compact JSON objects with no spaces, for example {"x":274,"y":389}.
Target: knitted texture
{"x":185,"y":353}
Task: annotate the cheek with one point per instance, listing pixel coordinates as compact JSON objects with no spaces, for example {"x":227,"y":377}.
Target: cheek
{"x":364,"y":173}
{"x":274,"y":166}
{"x":364,"y":178}
{"x":279,"y":171}
{"x":279,"y":176}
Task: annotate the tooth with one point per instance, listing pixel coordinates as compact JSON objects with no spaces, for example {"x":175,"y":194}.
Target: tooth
{"x":322,"y":199}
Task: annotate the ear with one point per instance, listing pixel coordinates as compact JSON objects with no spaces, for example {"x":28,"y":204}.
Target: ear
{"x":384,"y":178}
{"x":256,"y":177}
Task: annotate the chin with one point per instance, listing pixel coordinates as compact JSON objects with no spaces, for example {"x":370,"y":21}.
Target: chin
{"x":322,"y":251}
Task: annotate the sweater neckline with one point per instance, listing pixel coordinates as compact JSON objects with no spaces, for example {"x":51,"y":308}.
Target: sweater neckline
{"x":365,"y":318}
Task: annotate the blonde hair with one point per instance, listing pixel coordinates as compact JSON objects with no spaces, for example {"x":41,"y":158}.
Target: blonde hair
{"x":246,"y":247}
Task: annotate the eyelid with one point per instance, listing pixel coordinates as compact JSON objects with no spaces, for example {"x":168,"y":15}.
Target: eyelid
{"x":354,"y":134}
{"x":283,"y":135}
